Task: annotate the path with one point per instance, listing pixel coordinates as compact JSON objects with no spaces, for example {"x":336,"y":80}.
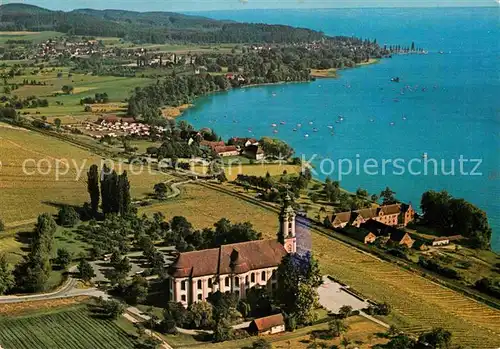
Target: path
{"x":150,"y":333}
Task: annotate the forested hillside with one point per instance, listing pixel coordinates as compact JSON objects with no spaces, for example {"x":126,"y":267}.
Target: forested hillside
{"x":150,"y":27}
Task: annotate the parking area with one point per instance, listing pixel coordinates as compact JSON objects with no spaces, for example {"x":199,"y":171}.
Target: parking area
{"x":333,"y":296}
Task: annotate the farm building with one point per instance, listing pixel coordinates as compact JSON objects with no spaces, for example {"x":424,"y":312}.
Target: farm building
{"x":397,"y":236}
{"x":442,"y":241}
{"x":268,"y":325}
{"x":254,"y":151}
{"x":393,"y":215}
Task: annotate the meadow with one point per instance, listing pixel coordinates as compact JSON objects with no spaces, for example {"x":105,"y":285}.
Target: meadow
{"x":418,"y":303}
{"x":85,"y":85}
{"x":67,"y":328}
{"x":35,"y":37}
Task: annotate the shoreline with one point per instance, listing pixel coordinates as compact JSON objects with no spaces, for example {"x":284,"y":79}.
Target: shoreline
{"x":178,"y":112}
{"x":332,"y":73}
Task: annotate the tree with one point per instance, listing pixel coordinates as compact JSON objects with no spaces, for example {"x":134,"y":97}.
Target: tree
{"x":124,"y":198}
{"x":32,"y":272}
{"x":346,"y":342}
{"x":201,"y":314}
{"x":57,"y":122}
{"x":93,"y":187}
{"x":174,"y":315}
{"x":68,"y":217}
{"x":345,"y":311}
{"x":223,"y":331}
{"x":298,"y":279}
{"x":337,"y":327}
{"x":43,"y":235}
{"x":113,"y":309}
{"x":85,"y":271}
{"x":388,"y":196}
{"x":67,"y":89}
{"x":63,"y":258}
{"x":362,"y":193}
{"x":137,"y":291}
{"x":7,"y":280}
{"x":438,"y":338}
{"x":161,"y":190}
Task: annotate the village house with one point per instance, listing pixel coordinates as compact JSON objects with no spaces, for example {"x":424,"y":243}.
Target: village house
{"x":388,"y":214}
{"x":267,"y":325}
{"x":254,"y":152}
{"x":234,"y":268}
{"x":391,"y":233}
{"x":221,"y":149}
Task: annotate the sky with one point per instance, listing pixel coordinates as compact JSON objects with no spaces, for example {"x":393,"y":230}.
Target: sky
{"x":207,"y":5}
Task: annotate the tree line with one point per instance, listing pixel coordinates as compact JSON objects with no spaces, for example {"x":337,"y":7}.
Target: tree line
{"x":456,"y":217}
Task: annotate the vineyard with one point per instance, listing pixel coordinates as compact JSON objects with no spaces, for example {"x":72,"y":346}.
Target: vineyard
{"x":68,"y":329}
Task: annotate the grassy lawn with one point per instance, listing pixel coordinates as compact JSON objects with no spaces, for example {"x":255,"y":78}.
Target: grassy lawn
{"x":68,"y":328}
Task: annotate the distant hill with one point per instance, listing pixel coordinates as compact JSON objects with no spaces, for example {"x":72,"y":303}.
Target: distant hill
{"x":151,"y":27}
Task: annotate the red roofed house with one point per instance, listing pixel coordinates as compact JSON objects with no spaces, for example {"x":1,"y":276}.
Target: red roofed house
{"x":392,"y":215}
{"x":194,"y":276}
{"x":227,"y":150}
{"x":268,"y":325}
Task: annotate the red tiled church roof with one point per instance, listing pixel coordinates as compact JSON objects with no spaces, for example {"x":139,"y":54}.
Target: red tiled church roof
{"x":248,"y":256}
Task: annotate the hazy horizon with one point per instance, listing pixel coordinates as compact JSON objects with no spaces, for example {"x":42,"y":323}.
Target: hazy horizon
{"x":214,"y":5}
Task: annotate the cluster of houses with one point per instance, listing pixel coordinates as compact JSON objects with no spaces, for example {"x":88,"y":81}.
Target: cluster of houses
{"x":378,"y":222}
{"x":114,"y":126}
{"x":384,"y":224}
{"x":56,"y":48}
{"x":248,"y":147}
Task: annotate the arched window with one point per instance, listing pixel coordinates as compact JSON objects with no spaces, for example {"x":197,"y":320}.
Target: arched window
{"x":263,"y":276}
{"x":236,"y":281}
{"x":210,"y":283}
{"x":183,"y":285}
{"x":227,"y":281}
{"x":252,"y":277}
{"x":199,"y":284}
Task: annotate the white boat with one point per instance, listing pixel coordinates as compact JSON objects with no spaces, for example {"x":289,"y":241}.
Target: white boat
{"x":425,"y":156}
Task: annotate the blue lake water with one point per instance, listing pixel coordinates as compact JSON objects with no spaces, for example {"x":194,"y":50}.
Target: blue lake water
{"x":451,"y":110}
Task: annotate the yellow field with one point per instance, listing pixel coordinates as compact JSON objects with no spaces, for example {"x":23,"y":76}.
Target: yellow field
{"x":418,"y":304}
{"x":203,"y":207}
{"x":232,"y":171}
{"x":25,"y":195}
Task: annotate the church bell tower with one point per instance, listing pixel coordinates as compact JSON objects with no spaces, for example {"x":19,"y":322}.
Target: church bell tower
{"x":286,"y":234}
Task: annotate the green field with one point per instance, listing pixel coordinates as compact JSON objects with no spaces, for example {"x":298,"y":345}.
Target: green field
{"x":117,"y":88}
{"x":70,"y":328}
{"x":35,"y":37}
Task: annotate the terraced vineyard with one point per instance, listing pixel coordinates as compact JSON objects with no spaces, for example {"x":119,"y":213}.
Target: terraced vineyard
{"x":68,"y":329}
{"x":418,"y":303}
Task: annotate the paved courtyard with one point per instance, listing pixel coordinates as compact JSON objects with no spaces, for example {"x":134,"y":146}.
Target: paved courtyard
{"x":333,"y":296}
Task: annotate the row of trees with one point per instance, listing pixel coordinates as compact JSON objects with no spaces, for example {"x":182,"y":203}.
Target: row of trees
{"x":114,"y":191}
{"x":98,"y":98}
{"x":456,"y":216}
{"x":16,"y":102}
